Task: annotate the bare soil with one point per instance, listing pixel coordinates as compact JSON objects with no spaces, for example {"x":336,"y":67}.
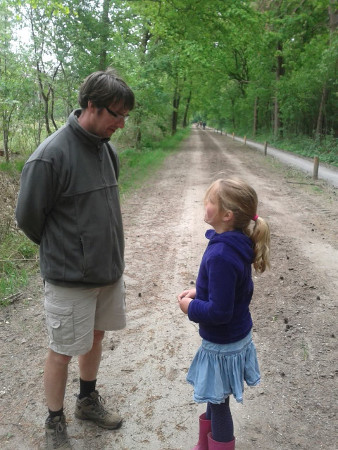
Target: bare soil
{"x":143,"y":367}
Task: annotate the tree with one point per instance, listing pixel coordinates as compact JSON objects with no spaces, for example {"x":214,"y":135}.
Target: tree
{"x":264,"y":66}
{"x":331,"y":64}
{"x":11,"y":81}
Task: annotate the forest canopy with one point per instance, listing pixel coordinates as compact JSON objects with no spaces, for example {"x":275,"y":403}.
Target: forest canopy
{"x":247,"y":67}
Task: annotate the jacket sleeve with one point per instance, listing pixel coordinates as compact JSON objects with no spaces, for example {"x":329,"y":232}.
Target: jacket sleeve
{"x":218,"y":308}
{"x":115,"y":159}
{"x":38,"y":191}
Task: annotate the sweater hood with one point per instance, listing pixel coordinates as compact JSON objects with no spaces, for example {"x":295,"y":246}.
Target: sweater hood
{"x":239,"y":243}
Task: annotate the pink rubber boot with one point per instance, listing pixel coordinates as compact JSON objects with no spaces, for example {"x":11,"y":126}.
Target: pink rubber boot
{"x":214,"y":445}
{"x":205,"y":428}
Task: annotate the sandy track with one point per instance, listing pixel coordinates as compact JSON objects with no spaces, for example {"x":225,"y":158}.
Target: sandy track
{"x":144,"y":367}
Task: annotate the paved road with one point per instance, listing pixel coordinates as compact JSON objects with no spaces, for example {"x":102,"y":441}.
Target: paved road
{"x":329,"y":174}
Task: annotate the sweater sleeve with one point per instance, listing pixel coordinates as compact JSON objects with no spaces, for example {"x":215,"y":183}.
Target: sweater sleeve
{"x":38,"y":191}
{"x":218,"y":308}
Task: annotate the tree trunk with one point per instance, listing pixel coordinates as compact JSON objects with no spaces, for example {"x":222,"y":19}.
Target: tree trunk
{"x":185,"y":118}
{"x":5,"y":141}
{"x":52,"y":109}
{"x":46,"y":109}
{"x":144,"y":40}
{"x":176,"y":104}
{"x":276,"y":123}
{"x":333,"y":17}
{"x":138,"y":137}
{"x":37,"y":136}
{"x":255,"y":116}
{"x":279,"y":73}
{"x":138,"y":121}
{"x":233,"y":114}
{"x":104,"y":35}
{"x":320,"y":119}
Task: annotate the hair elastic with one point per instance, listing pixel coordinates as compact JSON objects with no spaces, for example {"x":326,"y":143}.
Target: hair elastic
{"x":255,"y":218}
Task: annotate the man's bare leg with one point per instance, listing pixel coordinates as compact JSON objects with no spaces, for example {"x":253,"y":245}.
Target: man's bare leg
{"x":55,"y":379}
{"x":89,"y":363}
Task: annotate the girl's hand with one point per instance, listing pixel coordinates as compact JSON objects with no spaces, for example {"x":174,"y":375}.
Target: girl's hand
{"x":191,"y":293}
{"x":184,"y":303}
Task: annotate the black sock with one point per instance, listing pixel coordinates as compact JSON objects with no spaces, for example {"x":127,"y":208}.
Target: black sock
{"x":53,"y":414}
{"x":86,"y":388}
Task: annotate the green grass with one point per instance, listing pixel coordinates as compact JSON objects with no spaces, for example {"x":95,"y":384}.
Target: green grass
{"x":11,"y":281}
{"x":326,"y":149}
{"x":137,"y":165}
{"x":13,"y":167}
{"x":18,"y":260}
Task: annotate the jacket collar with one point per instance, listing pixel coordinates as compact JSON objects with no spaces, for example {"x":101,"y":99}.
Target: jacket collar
{"x":82,"y":133}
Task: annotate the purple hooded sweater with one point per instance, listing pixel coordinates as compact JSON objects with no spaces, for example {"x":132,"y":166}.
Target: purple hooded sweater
{"x":224,"y":288}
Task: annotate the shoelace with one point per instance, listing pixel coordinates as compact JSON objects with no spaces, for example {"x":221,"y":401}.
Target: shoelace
{"x":99,"y":401}
{"x":59,"y":437}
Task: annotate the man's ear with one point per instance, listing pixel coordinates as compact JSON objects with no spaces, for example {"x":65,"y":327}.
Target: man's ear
{"x":90,"y":105}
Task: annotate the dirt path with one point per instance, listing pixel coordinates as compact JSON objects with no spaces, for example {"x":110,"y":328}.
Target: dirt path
{"x":144,"y":367}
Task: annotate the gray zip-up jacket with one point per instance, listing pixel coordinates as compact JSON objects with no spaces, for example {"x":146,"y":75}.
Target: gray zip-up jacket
{"x":69,"y":204}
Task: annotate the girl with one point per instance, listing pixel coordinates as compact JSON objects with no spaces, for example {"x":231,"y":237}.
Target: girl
{"x":220,"y":304}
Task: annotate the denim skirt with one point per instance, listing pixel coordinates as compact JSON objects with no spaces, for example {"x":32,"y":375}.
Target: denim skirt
{"x":219,"y":370}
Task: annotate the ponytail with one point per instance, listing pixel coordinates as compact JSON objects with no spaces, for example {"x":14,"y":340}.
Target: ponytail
{"x":260,"y":237}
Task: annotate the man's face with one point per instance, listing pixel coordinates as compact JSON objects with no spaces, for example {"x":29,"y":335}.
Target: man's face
{"x":102,"y":121}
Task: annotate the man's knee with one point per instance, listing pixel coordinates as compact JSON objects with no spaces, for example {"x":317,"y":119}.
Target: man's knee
{"x":58,"y":358}
{"x":98,"y":336}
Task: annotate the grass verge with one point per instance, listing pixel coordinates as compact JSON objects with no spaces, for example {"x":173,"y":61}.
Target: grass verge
{"x":18,"y":261}
{"x":136,"y":165}
{"x":326,"y":149}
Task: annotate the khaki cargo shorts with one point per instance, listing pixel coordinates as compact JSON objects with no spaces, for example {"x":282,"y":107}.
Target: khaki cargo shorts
{"x":72,"y":315}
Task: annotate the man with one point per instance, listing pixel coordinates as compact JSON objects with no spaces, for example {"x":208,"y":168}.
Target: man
{"x":69,"y":205}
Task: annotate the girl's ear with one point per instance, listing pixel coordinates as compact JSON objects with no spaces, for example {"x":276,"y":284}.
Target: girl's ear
{"x":228,"y":216}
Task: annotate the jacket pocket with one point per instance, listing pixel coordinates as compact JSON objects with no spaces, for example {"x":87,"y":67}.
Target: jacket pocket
{"x":60,"y":323}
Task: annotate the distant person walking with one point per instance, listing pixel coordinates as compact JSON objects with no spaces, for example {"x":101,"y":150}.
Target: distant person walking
{"x":69,"y":205}
{"x":220,"y":304}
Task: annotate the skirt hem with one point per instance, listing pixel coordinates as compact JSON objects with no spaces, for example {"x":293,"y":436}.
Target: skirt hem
{"x":218,"y":371}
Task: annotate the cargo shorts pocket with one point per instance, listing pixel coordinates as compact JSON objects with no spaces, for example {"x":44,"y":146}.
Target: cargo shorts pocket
{"x":60,"y":323}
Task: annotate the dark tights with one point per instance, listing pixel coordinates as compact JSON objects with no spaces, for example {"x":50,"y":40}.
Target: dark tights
{"x":222,"y":427}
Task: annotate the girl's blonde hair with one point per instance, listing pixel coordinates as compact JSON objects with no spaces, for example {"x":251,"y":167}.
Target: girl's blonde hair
{"x":240,"y":198}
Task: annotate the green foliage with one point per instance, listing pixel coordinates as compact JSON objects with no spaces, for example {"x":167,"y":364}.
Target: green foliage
{"x":12,"y":168}
{"x":27,"y":249}
{"x":11,"y":280}
{"x":326,"y":148}
{"x":18,"y":260}
{"x":196,"y":53}
{"x":137,"y":166}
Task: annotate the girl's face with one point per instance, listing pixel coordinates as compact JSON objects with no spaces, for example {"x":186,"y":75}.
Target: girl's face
{"x":212,"y":214}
